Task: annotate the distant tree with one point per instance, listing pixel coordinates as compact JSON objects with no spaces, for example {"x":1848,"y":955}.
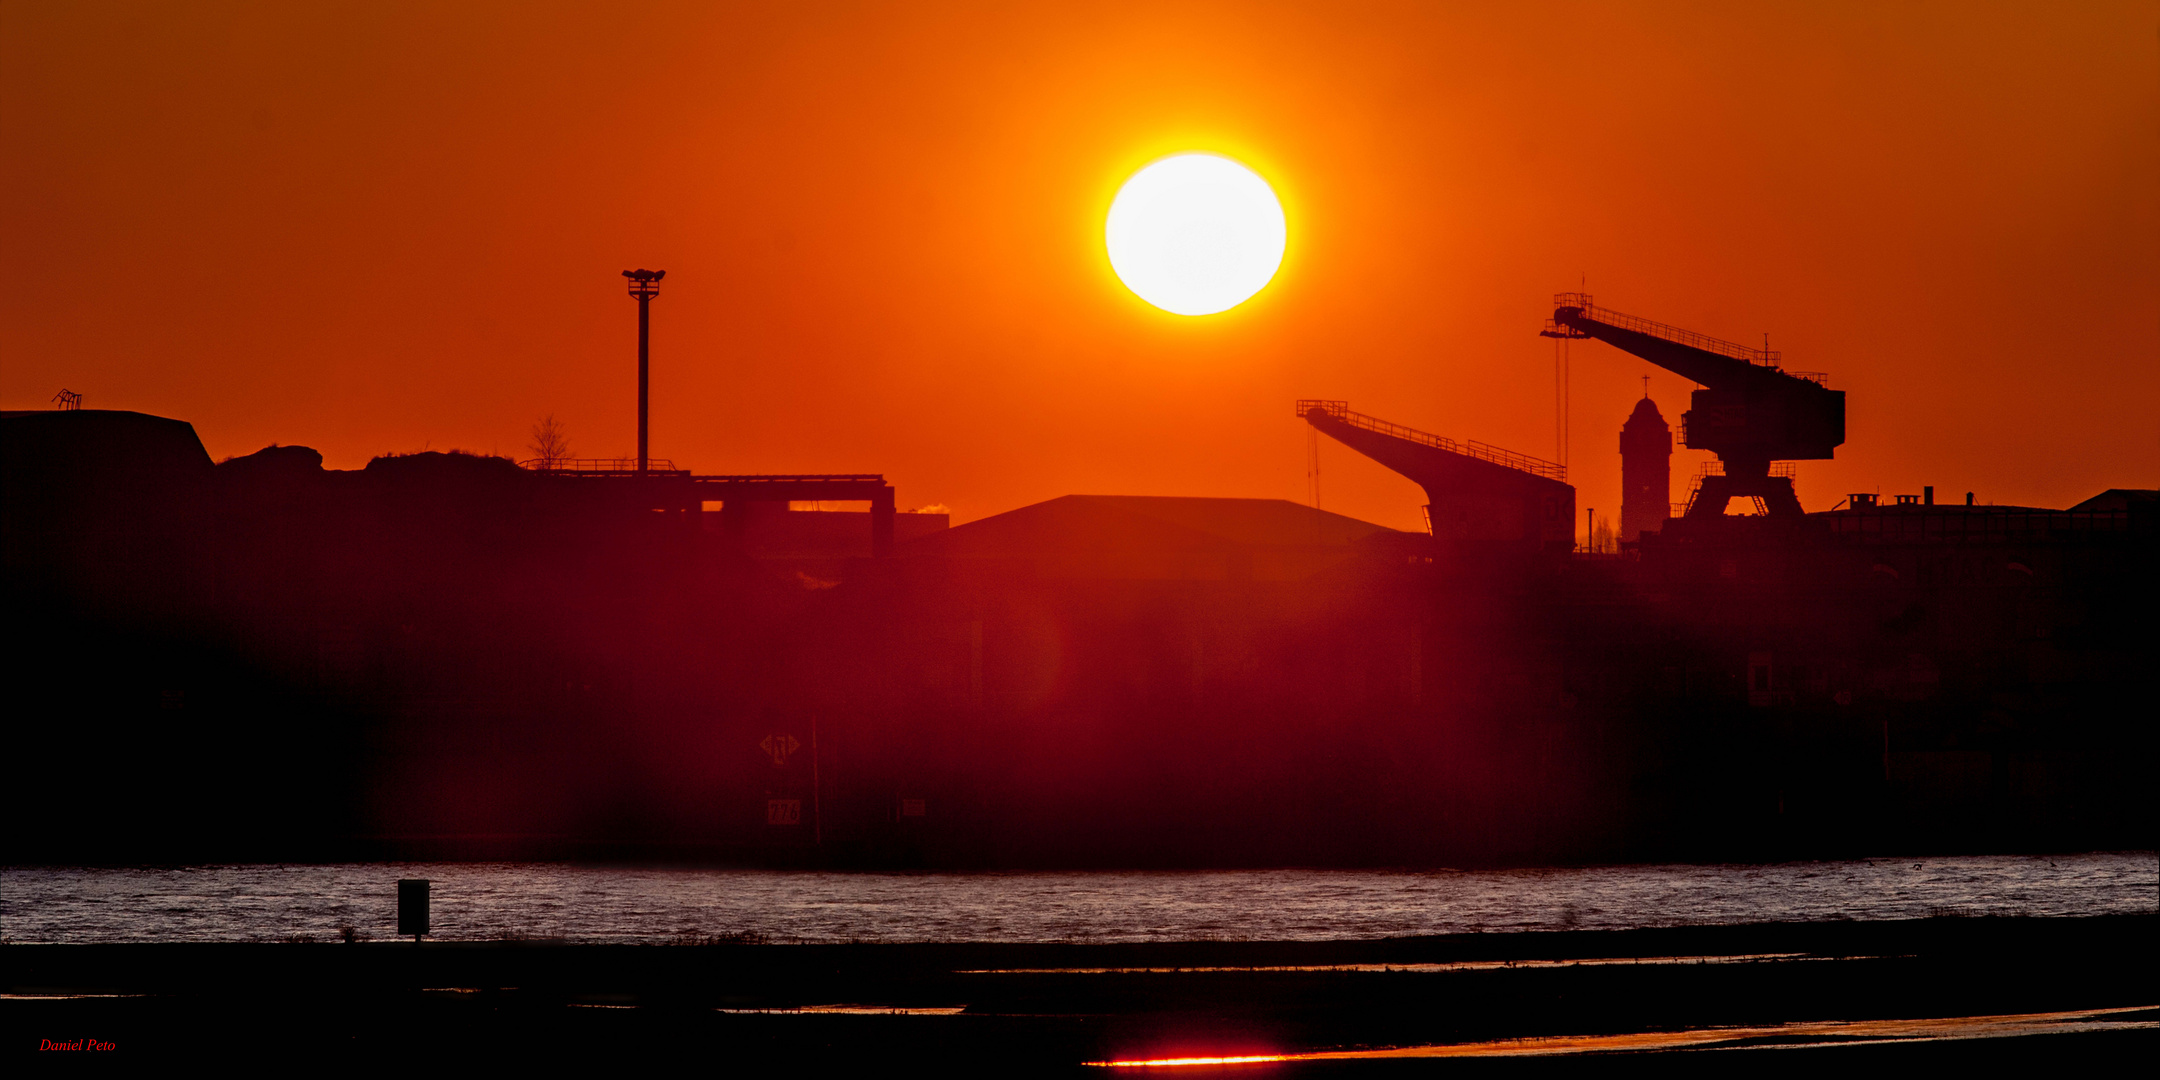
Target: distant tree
{"x":550,"y":443}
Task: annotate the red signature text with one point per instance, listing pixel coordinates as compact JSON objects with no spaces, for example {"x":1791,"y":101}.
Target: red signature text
{"x":78,"y":1044}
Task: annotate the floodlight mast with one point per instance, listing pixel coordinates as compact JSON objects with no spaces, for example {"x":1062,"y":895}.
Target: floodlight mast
{"x":644,"y":285}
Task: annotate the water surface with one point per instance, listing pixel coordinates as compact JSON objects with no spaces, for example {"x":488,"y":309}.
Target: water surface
{"x":481,"y":901}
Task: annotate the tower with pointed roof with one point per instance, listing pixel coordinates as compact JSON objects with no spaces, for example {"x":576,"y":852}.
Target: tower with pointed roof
{"x":1645,"y":471}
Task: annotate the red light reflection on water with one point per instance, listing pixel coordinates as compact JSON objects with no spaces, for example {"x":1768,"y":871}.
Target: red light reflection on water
{"x":1934,"y":1029}
{"x":1241,"y":1059}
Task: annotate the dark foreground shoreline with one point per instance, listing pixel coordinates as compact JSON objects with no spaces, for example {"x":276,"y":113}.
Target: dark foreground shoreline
{"x":1036,"y":1008}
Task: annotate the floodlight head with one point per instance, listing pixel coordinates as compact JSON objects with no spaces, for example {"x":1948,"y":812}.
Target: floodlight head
{"x":644,"y":284}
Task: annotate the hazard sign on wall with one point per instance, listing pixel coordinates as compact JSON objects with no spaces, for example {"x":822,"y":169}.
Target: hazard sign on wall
{"x":779,"y":747}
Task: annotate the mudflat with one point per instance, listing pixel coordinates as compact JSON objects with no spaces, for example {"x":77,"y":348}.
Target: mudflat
{"x":1947,"y":990}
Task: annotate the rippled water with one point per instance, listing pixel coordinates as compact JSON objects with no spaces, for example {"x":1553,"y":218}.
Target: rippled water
{"x":479,"y":901}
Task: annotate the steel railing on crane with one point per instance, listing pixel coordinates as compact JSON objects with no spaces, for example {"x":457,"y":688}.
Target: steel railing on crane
{"x":1340,"y":412}
{"x":1769,"y":358}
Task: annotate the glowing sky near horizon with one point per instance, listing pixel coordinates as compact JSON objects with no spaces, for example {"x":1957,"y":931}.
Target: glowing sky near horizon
{"x":397,"y":226}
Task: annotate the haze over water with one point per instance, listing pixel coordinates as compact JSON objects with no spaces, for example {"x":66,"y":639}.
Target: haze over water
{"x":484,"y":901}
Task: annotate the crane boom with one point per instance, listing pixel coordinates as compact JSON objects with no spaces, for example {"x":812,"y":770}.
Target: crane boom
{"x":1705,"y":359}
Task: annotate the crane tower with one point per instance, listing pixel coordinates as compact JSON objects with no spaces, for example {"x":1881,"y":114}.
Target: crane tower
{"x":1749,"y":410}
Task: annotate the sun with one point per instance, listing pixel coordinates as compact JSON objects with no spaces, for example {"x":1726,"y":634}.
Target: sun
{"x":1195,"y":234}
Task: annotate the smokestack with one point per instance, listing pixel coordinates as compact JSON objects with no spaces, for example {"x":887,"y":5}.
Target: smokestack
{"x":1927,"y":495}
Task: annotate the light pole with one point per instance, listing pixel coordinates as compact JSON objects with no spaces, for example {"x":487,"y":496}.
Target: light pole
{"x":644,"y":285}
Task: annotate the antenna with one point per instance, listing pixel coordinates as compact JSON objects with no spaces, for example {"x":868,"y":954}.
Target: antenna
{"x":1567,"y":381}
{"x":1312,"y":463}
{"x":1561,"y":362}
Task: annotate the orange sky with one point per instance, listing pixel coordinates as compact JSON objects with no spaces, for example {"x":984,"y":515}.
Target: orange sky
{"x":378,"y":227}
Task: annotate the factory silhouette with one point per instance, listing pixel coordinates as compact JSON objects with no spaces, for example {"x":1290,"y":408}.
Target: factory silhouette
{"x":446,"y":655}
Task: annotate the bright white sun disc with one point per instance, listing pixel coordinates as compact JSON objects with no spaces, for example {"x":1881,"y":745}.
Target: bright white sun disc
{"x":1195,"y":234}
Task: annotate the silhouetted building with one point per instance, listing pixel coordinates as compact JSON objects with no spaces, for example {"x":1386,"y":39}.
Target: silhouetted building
{"x":772,"y":530}
{"x":1158,"y":537}
{"x":447,"y":656}
{"x":2115,"y":500}
{"x":105,"y":509}
{"x":1645,"y":471}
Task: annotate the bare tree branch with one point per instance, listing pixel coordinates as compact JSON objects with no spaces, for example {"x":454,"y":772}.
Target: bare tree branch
{"x":550,"y":443}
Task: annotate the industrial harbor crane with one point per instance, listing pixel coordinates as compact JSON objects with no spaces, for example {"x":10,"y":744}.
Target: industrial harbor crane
{"x":1749,"y":410}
